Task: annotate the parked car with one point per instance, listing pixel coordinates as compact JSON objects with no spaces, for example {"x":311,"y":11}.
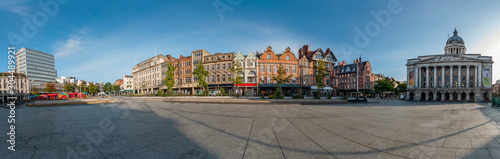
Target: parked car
{"x":402,"y":97}
{"x":214,"y":93}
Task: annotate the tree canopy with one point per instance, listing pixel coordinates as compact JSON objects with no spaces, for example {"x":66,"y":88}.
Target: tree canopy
{"x":319,"y":76}
{"x":237,"y":70}
{"x":201,"y":74}
{"x":107,"y":86}
{"x":50,"y":87}
{"x":169,"y":77}
{"x":68,"y":87}
{"x":384,"y":85}
{"x":400,"y":89}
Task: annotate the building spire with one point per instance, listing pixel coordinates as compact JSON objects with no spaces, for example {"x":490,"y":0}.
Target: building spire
{"x":455,"y":32}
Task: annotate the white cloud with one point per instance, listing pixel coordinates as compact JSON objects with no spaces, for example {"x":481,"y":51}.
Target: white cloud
{"x":74,"y":43}
{"x":18,"y":7}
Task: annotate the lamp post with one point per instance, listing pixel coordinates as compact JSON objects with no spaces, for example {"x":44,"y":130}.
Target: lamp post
{"x":357,"y":81}
{"x":300,"y":78}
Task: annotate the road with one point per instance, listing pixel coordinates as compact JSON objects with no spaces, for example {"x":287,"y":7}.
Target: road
{"x":153,"y":129}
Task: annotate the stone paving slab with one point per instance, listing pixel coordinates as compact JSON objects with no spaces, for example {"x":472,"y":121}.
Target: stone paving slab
{"x":142,"y":128}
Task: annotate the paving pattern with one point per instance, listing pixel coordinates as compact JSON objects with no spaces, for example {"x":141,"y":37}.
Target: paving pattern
{"x":152,"y":129}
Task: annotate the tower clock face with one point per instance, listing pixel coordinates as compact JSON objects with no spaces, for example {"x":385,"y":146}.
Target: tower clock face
{"x":454,"y":43}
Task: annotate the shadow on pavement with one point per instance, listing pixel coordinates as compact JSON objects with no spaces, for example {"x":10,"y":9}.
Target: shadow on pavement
{"x":491,"y":142}
{"x":97,"y":131}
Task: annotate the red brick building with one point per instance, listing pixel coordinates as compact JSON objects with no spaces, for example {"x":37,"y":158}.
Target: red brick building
{"x":307,"y":60}
{"x":347,"y":75}
{"x":268,"y":67}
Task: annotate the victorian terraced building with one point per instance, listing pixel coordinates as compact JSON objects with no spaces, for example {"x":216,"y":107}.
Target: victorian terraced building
{"x":454,"y":76}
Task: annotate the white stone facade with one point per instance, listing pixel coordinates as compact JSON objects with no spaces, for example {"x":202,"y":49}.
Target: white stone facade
{"x":22,"y":87}
{"x":454,"y":76}
{"x":128,"y":83}
{"x":148,"y":76}
{"x":65,"y":79}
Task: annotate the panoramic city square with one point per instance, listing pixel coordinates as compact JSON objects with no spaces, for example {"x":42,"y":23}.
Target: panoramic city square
{"x":240,"y":79}
{"x":143,"y":128}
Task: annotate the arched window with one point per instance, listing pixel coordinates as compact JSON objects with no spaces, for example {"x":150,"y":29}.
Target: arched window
{"x":252,"y":73}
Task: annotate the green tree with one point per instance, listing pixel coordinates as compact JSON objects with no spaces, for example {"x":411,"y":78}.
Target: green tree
{"x":237,"y":71}
{"x":68,"y":87}
{"x":161,"y":92}
{"x":115,"y":87}
{"x":82,"y":86}
{"x":281,"y":78}
{"x":400,"y":89}
{"x":107,"y":86}
{"x":50,"y":87}
{"x":92,"y":88}
{"x":384,"y":85}
{"x":34,"y":91}
{"x":319,"y":76}
{"x":201,"y":74}
{"x":222,"y":92}
{"x":169,"y":78}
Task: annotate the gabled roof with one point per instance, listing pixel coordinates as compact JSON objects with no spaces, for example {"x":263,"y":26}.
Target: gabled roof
{"x":304,"y":51}
{"x":349,"y":68}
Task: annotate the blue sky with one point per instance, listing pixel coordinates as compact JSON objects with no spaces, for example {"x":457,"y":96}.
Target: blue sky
{"x":101,"y":40}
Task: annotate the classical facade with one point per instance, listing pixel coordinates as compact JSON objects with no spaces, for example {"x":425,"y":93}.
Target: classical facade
{"x":250,"y":67}
{"x":22,"y":90}
{"x":454,"y":76}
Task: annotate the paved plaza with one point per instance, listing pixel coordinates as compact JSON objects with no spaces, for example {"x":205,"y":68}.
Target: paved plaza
{"x":153,"y":129}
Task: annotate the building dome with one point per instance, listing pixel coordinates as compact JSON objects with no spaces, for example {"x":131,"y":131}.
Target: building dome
{"x":455,"y":44}
{"x":455,"y":39}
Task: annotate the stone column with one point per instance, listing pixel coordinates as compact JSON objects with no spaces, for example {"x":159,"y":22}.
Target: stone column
{"x":480,"y":76}
{"x":417,"y":78}
{"x":475,"y":77}
{"x":442,"y":95}
{"x":427,"y":96}
{"x":467,"y":96}
{"x":427,"y":77}
{"x":467,"y":78}
{"x":434,"y":93}
{"x":442,"y":77}
{"x":435,"y":78}
{"x":459,"y":96}
{"x":451,"y":95}
{"x":451,"y":76}
{"x":460,"y":76}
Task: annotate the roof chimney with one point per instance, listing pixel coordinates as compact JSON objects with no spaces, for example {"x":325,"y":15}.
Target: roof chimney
{"x":340,"y":63}
{"x":300,"y":53}
{"x":343,"y":62}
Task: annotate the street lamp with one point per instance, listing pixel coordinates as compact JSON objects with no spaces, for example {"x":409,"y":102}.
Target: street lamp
{"x":357,"y":81}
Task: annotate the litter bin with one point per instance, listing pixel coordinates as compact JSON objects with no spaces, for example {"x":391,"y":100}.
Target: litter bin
{"x":495,"y":102}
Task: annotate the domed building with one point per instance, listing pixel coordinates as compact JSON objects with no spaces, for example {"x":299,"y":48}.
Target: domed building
{"x":454,"y":76}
